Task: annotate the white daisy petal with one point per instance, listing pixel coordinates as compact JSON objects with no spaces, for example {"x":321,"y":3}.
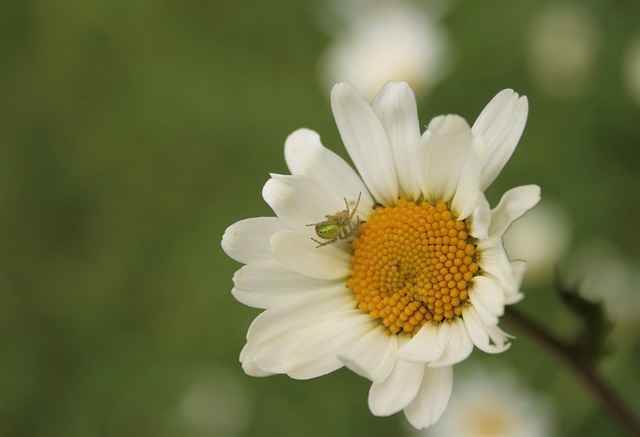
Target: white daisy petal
{"x":465,"y":200}
{"x":305,"y":155}
{"x":366,"y":141}
{"x":444,"y":154}
{"x":247,"y":241}
{"x":501,"y":124}
{"x":317,"y":353}
{"x":427,"y":345}
{"x":371,"y":356}
{"x":422,"y":347}
{"x":398,"y":390}
{"x":276,"y":332}
{"x":311,"y":348}
{"x":486,"y":316}
{"x":301,"y":255}
{"x":487,"y":291}
{"x":512,"y":206}
{"x":512,"y":294}
{"x":458,"y":348}
{"x":299,"y":200}
{"x":499,"y":338}
{"x":511,"y":298}
{"x":396,"y":108}
{"x":479,"y":332}
{"x":518,"y":269}
{"x":493,"y":259}
{"x":432,"y":398}
{"x":277,"y":320}
{"x":263,"y":284}
{"x":481,"y":218}
{"x":249,"y":366}
{"x":475,"y":328}
{"x":271,"y":355}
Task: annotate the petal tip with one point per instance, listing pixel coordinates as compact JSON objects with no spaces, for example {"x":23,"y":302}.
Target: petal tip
{"x":448,"y":124}
{"x":341,"y":88}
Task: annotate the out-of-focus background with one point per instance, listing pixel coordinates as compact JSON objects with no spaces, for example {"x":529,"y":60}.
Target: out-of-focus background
{"x":132,"y":133}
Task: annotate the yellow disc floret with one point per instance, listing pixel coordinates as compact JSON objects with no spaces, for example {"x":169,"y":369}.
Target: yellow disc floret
{"x":411,"y":264}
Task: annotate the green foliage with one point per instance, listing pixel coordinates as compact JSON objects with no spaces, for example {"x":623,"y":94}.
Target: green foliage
{"x":590,"y":341}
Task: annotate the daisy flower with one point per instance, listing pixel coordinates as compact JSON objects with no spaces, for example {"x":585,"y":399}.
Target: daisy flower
{"x":387,"y":40}
{"x":494,"y":405}
{"x":563,"y":49}
{"x":402,"y":270}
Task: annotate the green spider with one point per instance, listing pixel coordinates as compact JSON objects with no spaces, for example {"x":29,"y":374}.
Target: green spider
{"x":337,"y":226}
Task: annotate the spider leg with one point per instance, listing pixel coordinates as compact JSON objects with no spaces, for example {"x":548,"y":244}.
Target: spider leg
{"x":346,"y":204}
{"x":355,"y":208}
{"x":321,"y":243}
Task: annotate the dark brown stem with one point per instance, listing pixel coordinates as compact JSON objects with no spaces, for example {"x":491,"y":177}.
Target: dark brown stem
{"x":592,"y":379}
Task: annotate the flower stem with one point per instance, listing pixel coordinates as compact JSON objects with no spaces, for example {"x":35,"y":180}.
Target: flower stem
{"x":587,"y":372}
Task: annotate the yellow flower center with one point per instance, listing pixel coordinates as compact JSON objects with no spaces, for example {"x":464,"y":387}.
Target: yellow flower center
{"x":411,"y":264}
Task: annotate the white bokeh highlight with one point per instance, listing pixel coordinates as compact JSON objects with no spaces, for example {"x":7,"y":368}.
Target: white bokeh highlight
{"x":387,"y":40}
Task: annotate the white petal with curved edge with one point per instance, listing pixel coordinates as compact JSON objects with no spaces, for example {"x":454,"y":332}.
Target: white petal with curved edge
{"x":458,"y":347}
{"x":299,"y":200}
{"x":518,"y":269}
{"x":480,"y":218}
{"x":512,"y":294}
{"x":317,"y":353}
{"x":479,"y":332}
{"x":427,"y":345}
{"x":263,"y":284}
{"x":371,"y":357}
{"x":444,"y":153}
{"x":398,"y":390}
{"x":366,"y":141}
{"x":512,"y":298}
{"x":489,"y":293}
{"x":275,"y":333}
{"x":305,"y":155}
{"x":465,"y":201}
{"x":301,"y":255}
{"x":397,"y":110}
{"x":486,"y":316}
{"x":248,"y":240}
{"x":475,"y":328}
{"x":501,"y":124}
{"x":278,"y":320}
{"x":432,"y":398}
{"x":492,"y":258}
{"x":513,"y":204}
{"x":310,"y":347}
{"x":249,"y":366}
{"x":499,"y":337}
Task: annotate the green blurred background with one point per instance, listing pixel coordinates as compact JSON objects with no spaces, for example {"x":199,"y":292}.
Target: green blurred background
{"x":132,"y":133}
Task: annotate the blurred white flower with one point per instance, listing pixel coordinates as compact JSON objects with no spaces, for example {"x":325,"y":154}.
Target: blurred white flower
{"x":540,"y":237}
{"x":602,"y":273}
{"x":387,"y":40}
{"x":493,"y":405}
{"x":564,"y":42}
{"x":216,"y":403}
{"x":632,"y":70}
